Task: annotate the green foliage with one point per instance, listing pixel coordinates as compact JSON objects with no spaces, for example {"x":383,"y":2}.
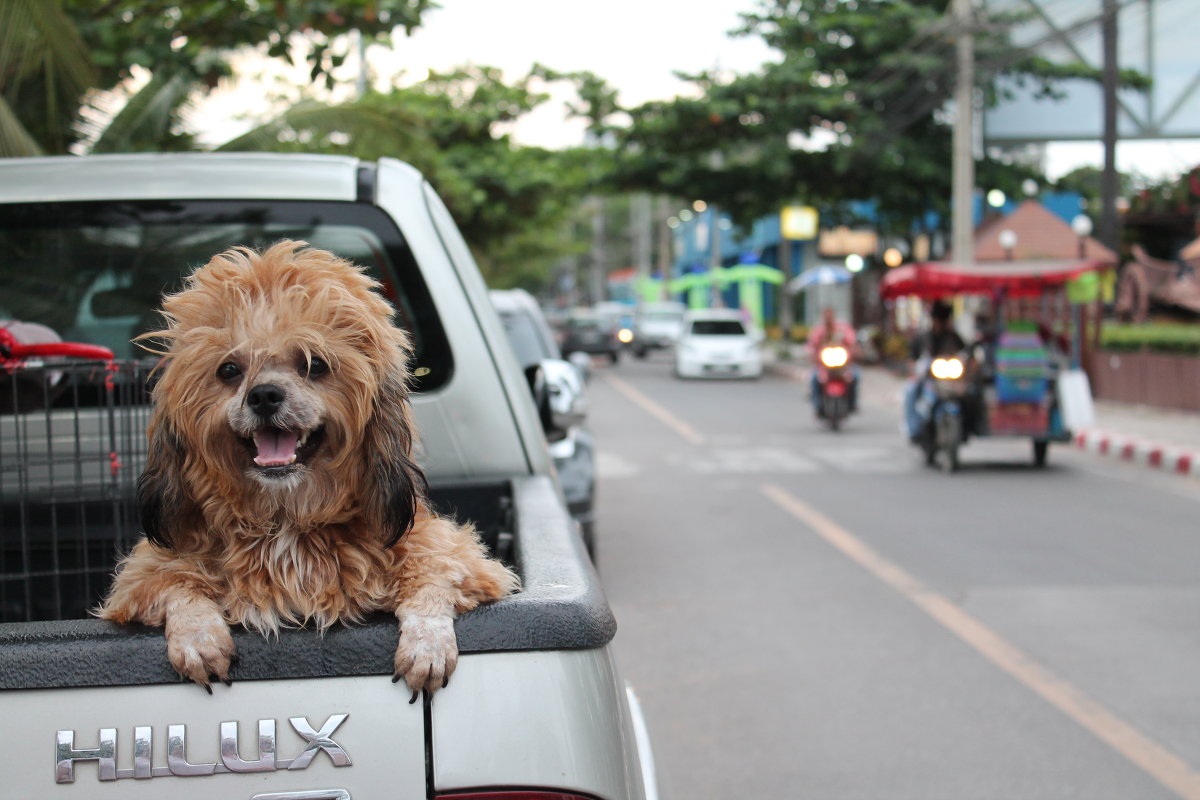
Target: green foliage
{"x":44,"y":70}
{"x":175,"y":37}
{"x":54,"y":52}
{"x":1159,"y":337}
{"x":1171,"y":196}
{"x":513,"y":204}
{"x":850,"y":110}
{"x":1087,"y":181}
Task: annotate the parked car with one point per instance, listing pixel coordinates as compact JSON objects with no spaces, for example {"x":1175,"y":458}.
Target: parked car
{"x":574,"y":451}
{"x":657,"y":326}
{"x":536,"y":707}
{"x":591,"y":333}
{"x":717,"y":342}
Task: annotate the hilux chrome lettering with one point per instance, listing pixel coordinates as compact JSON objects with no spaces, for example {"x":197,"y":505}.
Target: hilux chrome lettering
{"x":306,"y":794}
{"x":318,"y":741}
{"x":266,"y":748}
{"x":177,"y":761}
{"x":65,"y":755}
{"x":105,"y":754}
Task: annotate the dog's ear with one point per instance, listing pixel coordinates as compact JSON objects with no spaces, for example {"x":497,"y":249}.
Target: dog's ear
{"x":165,"y":506}
{"x":400,"y":487}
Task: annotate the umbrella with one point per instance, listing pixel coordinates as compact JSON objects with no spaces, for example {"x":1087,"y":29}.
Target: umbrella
{"x":824,"y":275}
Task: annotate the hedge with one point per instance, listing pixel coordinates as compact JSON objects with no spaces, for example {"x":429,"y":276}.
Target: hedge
{"x":1157,"y":337}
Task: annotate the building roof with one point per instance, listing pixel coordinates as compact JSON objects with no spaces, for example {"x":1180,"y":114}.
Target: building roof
{"x":1041,"y":235}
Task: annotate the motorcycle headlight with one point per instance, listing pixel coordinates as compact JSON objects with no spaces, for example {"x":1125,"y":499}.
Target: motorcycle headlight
{"x":834,"y":356}
{"x":947,"y":369}
{"x":625,"y":336}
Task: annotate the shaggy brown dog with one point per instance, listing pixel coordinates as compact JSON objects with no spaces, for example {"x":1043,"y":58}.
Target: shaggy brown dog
{"x":280,"y":488}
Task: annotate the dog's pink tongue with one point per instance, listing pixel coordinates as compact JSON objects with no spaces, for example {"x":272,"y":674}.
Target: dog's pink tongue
{"x":275,"y":447}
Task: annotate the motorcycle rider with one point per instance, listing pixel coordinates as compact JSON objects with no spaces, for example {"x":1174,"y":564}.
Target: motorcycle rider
{"x":940,"y":340}
{"x":831,"y":331}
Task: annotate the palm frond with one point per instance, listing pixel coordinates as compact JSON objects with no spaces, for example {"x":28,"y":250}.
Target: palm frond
{"x":38,"y":37}
{"x":15,"y":141}
{"x":145,"y":121}
{"x":360,"y":128}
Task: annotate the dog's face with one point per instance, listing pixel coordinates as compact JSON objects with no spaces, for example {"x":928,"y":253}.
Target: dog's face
{"x":284,"y":387}
{"x":276,"y":400}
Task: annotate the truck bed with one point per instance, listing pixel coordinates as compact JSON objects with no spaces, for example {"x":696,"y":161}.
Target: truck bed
{"x":560,"y":606}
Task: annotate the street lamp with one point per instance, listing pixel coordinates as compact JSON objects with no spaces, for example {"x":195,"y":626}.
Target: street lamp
{"x":893,"y":257}
{"x":1082,"y":226}
{"x":854,"y":262}
{"x":1008,"y":240}
{"x":996,"y":198}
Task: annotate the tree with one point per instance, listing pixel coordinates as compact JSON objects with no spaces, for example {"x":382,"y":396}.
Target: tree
{"x":513,"y":204}
{"x":52,"y":54}
{"x":1086,"y":181}
{"x":853,"y":109}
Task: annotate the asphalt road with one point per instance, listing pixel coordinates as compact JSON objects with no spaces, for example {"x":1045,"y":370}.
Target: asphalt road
{"x":808,"y":614}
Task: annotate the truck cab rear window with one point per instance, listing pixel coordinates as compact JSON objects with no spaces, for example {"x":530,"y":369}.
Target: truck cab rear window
{"x":95,"y":272}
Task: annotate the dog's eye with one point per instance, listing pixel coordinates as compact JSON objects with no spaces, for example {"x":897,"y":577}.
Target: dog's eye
{"x":228,"y":371}
{"x":317,"y":367}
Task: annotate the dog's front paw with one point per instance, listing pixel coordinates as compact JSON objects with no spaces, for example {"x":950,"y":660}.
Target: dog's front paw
{"x":427,"y":654}
{"x":199,"y":644}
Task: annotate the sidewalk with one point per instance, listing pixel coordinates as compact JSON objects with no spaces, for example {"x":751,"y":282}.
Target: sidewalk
{"x":1152,"y":437}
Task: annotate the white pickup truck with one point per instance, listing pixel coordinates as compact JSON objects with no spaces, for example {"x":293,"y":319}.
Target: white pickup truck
{"x":536,"y":708}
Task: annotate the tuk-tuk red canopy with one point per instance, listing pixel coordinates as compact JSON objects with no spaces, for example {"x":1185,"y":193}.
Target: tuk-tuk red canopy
{"x":1014,"y":278}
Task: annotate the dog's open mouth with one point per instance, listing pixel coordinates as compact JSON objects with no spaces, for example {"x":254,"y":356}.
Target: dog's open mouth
{"x":279,"y":452}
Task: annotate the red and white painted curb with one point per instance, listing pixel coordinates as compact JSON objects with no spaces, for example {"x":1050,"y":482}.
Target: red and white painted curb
{"x":1179,"y":460}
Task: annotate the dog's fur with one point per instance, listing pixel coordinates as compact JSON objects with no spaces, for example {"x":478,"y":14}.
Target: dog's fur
{"x":235,"y":534}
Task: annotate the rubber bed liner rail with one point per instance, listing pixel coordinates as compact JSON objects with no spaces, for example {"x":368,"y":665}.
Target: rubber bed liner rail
{"x":560,"y":606}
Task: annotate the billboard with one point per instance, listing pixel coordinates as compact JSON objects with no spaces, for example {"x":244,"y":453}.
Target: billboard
{"x":1155,"y":37}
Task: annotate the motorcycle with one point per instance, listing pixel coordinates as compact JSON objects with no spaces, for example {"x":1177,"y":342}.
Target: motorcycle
{"x":942,"y":407}
{"x":834,"y":383}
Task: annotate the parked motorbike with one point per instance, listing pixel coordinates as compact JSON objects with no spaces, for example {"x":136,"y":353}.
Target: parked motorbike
{"x":943,"y":409}
{"x":834,"y":383}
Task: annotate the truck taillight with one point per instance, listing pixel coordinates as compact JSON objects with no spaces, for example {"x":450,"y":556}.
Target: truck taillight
{"x":512,"y":794}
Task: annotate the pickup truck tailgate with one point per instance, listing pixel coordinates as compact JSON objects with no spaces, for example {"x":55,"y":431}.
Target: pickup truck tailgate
{"x":301,"y":739}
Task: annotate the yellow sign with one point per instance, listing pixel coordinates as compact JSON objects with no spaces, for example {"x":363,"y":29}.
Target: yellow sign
{"x":841,"y":241}
{"x":798,"y":222}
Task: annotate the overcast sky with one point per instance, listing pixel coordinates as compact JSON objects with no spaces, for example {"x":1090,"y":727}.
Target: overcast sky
{"x":635,"y":45}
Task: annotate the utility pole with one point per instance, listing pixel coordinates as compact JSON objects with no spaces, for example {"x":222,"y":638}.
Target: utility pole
{"x":714,"y":254}
{"x":640,"y":220}
{"x":360,"y":85}
{"x":1108,"y":179}
{"x":598,"y":263}
{"x":963,"y":165}
{"x":786,"y":318}
{"x":666,"y":245}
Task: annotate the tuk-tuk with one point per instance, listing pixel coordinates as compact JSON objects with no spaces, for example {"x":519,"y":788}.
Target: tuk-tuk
{"x":1020,"y":377}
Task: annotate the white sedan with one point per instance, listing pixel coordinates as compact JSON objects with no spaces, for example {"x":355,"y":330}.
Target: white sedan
{"x":716,"y":342}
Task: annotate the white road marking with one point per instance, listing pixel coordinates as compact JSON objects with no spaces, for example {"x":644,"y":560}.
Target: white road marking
{"x":745,"y":461}
{"x":1156,"y":760}
{"x":611,"y":465}
{"x":654,"y":409}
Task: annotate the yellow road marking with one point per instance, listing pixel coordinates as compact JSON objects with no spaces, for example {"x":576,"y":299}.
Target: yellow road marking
{"x":654,"y":409}
{"x":1157,"y":761}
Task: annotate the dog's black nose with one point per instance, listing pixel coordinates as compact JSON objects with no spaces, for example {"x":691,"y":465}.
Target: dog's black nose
{"x":265,"y":399}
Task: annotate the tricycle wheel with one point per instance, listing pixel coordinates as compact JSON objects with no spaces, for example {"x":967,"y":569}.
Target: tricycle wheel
{"x":1040,"y":449}
{"x":950,"y":462}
